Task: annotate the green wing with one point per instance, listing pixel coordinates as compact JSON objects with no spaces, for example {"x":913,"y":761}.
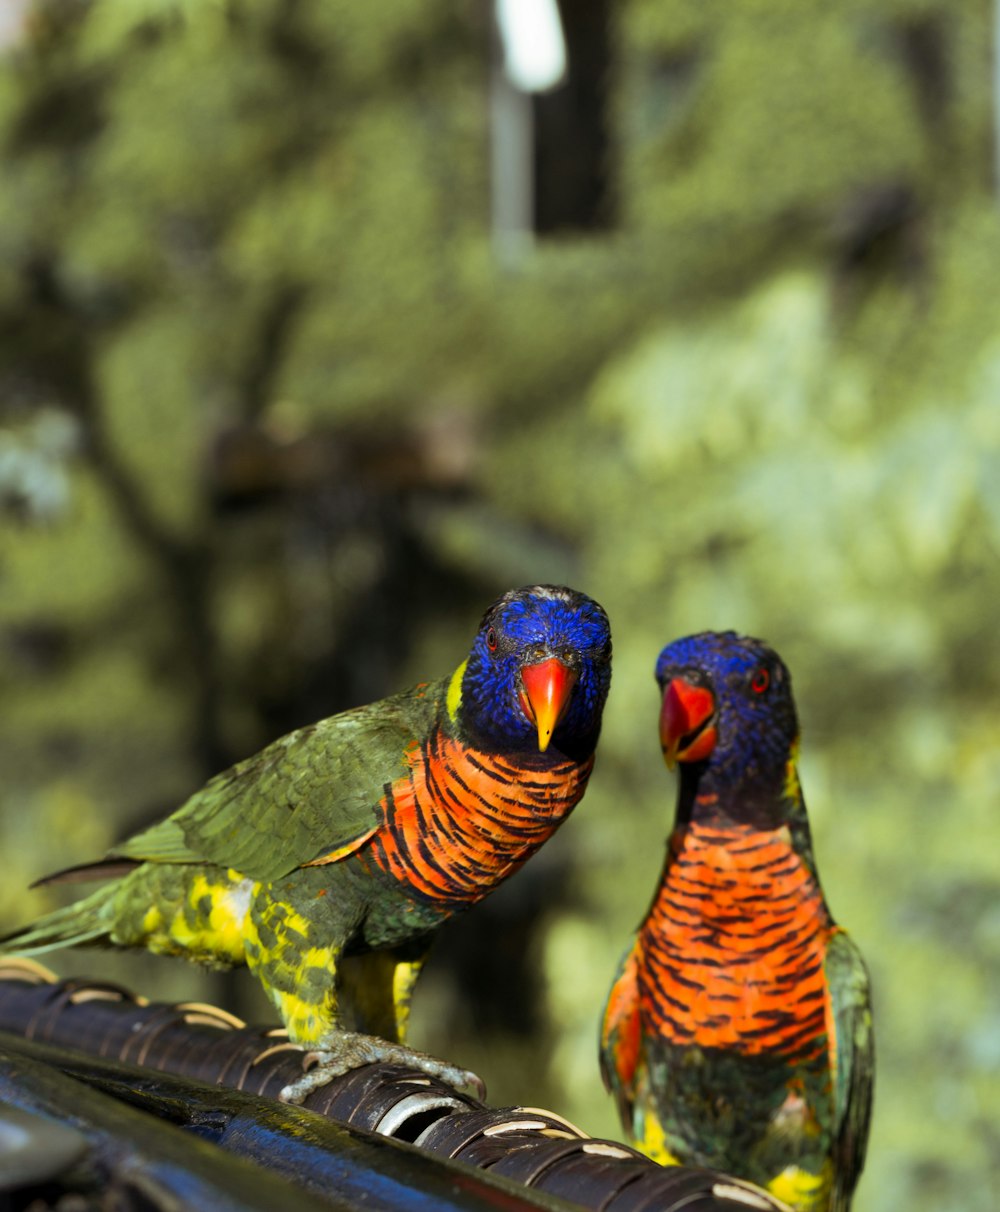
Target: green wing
{"x":307,"y":794}
{"x":855,"y":1063}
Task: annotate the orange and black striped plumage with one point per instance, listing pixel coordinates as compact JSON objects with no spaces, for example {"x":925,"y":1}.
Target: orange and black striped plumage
{"x":738,"y":1032}
{"x":737,"y":907}
{"x":464,"y":818}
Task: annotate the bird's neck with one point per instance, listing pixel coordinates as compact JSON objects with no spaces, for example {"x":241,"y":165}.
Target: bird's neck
{"x":763,"y":799}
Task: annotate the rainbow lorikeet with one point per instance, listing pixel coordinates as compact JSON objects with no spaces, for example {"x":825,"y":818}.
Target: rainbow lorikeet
{"x":738,"y":1031}
{"x":361,"y":834}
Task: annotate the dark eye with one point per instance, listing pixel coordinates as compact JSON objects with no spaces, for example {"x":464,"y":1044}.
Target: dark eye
{"x":760,"y":681}
{"x":491,"y":639}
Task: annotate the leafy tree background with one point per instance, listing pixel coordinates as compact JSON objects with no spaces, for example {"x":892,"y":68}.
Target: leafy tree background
{"x":277,"y":426}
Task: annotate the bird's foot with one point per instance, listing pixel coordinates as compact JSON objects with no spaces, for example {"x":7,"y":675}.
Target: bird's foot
{"x":347,"y":1050}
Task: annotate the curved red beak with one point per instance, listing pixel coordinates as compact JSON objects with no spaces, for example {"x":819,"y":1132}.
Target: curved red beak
{"x":547,"y":687}
{"x":687,"y":722}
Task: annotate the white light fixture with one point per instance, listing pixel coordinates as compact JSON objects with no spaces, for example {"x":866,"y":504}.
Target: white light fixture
{"x":534,"y":49}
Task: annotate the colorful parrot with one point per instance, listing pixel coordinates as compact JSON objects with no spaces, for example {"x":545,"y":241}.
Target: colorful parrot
{"x":360,"y":835}
{"x":738,"y":1031}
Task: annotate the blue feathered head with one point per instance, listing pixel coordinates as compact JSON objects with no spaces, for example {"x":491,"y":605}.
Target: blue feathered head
{"x":538,"y":673}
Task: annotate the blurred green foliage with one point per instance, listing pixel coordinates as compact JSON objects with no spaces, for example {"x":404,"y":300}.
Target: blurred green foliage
{"x":276,"y":427}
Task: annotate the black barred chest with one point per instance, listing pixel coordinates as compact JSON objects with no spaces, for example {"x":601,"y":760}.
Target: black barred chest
{"x":463,"y":820}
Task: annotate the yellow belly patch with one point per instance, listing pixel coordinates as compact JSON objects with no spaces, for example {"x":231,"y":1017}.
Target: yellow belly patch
{"x":802,"y":1190}
{"x":298,"y":978}
{"x":303,"y":1020}
{"x":207,"y":924}
{"x":653,"y":1142}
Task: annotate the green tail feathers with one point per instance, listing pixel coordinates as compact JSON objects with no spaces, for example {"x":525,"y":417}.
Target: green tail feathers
{"x":87,"y":921}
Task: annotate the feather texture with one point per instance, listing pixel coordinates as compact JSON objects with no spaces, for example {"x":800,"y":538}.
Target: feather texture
{"x":365,"y":831}
{"x":738,"y":1029}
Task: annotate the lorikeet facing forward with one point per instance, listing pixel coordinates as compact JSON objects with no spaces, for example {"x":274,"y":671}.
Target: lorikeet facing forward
{"x":361,"y":834}
{"x":738,"y":1031}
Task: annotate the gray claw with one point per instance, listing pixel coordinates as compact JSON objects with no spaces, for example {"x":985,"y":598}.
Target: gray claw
{"x":346,"y":1050}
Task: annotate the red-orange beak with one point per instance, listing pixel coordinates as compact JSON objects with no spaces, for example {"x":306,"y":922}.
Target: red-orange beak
{"x":547,"y":687}
{"x":687,"y":722}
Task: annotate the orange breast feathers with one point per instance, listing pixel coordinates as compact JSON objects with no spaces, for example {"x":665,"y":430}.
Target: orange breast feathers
{"x":463,"y":820}
{"x":732,"y":949}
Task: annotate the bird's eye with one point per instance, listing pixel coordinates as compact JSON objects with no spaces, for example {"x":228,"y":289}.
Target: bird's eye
{"x":760,"y":681}
{"x":491,"y":639}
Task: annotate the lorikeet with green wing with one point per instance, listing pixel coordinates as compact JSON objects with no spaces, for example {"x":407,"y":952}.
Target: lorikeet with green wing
{"x":361,"y":834}
{"x":738,"y":1031}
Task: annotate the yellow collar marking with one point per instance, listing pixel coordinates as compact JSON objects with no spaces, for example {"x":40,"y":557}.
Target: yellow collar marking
{"x":453,"y":699}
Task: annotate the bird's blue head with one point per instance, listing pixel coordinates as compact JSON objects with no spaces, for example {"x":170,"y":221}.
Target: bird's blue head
{"x":538,"y":674}
{"x":728,"y":718}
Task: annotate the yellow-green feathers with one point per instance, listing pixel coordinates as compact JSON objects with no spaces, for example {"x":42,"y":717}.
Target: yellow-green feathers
{"x":453,"y":699}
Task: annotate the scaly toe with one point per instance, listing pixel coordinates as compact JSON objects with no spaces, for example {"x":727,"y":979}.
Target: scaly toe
{"x":347,"y":1050}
